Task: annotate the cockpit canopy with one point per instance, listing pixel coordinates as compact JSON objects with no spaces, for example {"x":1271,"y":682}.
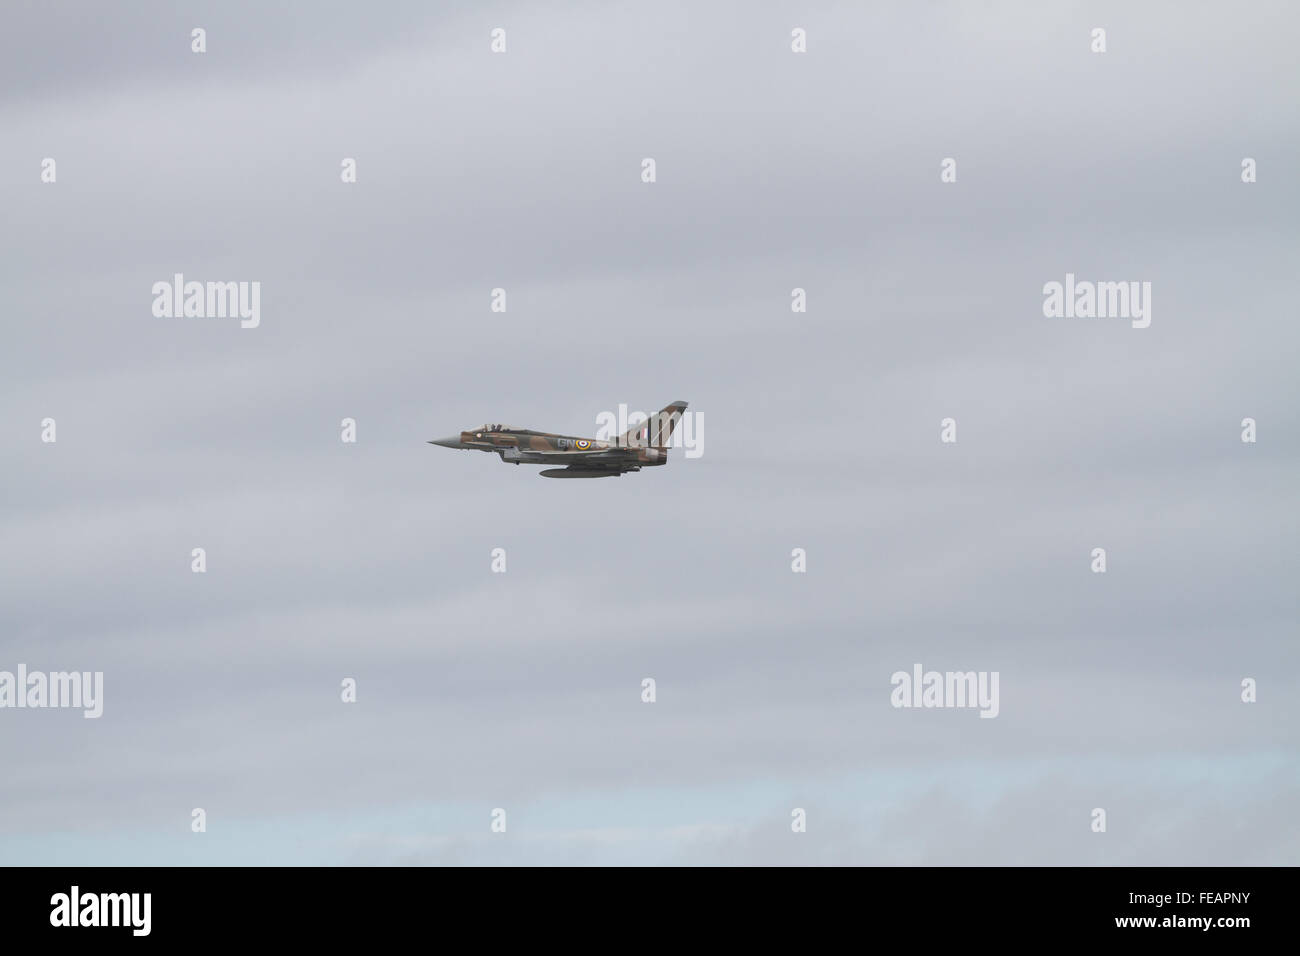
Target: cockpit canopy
{"x":494,"y":428}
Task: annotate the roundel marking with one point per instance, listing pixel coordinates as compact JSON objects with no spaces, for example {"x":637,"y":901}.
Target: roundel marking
{"x":583,"y":443}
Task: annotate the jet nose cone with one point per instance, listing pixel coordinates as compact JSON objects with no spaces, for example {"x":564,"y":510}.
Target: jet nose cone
{"x":451,"y":442}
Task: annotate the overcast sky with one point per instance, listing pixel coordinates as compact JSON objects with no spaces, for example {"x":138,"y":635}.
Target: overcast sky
{"x":522,"y":690}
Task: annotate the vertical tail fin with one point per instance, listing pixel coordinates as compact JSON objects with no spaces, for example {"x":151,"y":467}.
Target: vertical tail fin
{"x":655,"y":431}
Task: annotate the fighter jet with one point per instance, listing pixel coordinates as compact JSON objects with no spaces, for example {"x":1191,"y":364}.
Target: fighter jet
{"x":641,"y":446}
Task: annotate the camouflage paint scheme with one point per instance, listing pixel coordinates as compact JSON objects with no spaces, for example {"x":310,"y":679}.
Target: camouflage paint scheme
{"x":642,"y":446}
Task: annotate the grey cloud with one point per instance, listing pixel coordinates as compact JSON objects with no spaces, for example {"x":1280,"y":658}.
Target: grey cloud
{"x":328,"y":560}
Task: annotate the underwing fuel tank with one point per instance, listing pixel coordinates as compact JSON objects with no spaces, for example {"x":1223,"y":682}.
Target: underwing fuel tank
{"x":576,"y":473}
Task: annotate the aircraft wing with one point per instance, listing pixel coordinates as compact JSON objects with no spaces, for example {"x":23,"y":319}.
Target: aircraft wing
{"x":581,"y":459}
